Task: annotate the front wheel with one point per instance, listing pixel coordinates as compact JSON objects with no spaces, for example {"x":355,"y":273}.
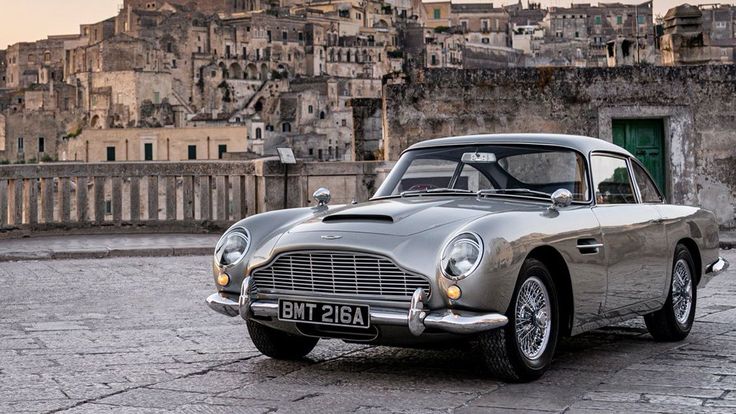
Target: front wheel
{"x":279,"y":345}
{"x":523,"y":349}
{"x":674,"y":321}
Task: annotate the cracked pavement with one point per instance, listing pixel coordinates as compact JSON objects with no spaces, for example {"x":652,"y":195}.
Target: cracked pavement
{"x":133,"y":335}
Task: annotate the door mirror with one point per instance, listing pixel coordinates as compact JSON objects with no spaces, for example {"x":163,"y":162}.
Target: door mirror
{"x":561,"y":198}
{"x":323,"y":196}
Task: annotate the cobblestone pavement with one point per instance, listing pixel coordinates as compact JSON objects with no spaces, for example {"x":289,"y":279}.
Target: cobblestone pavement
{"x":134,"y":335}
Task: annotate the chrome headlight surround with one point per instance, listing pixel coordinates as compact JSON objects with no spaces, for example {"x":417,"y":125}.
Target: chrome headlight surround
{"x":232,"y":247}
{"x":461,"y":256}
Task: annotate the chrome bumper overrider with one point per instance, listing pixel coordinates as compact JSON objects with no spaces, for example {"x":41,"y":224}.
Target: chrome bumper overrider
{"x":712,"y":270}
{"x":417,"y":319}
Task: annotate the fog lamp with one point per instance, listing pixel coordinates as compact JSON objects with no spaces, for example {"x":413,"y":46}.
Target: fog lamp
{"x":223,"y":279}
{"x":454,"y":292}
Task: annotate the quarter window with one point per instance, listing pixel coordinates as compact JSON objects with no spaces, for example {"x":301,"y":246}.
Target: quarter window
{"x":647,"y":188}
{"x":611,"y":181}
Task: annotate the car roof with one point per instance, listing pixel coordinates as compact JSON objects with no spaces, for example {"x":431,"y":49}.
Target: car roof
{"x":577,"y":142}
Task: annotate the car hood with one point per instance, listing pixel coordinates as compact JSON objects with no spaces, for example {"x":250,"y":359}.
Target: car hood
{"x":407,"y":216}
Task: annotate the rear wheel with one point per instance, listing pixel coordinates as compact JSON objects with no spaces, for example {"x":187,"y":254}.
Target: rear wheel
{"x":277,"y":344}
{"x":675,"y":320}
{"x":523,"y":349}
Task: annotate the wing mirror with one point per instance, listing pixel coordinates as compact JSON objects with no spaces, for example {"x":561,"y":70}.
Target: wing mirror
{"x":323,"y":196}
{"x":561,"y":198}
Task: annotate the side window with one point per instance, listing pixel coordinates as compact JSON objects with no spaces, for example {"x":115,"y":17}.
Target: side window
{"x":472,"y":179}
{"x":647,"y":188}
{"x":611,"y":181}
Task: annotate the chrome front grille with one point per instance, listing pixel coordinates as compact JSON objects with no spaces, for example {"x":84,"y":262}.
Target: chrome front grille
{"x":338,"y":273}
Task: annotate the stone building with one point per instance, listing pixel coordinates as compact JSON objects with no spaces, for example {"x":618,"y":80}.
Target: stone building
{"x":718,"y":21}
{"x":580,"y":34}
{"x":35,"y":62}
{"x":685,"y":41}
{"x":481,"y":23}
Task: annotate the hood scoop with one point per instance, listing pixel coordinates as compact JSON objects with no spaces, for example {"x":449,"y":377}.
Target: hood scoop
{"x":334,"y":218}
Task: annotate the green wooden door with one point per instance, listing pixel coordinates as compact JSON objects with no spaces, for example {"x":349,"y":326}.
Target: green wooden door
{"x":645,"y":139}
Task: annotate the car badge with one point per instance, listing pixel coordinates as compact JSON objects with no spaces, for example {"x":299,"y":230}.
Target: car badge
{"x":331,"y":237}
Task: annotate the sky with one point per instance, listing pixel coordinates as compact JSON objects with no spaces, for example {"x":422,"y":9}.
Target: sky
{"x":30,"y":20}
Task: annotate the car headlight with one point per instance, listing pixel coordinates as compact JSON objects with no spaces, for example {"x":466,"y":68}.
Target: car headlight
{"x":232,"y":247}
{"x":462,"y":256}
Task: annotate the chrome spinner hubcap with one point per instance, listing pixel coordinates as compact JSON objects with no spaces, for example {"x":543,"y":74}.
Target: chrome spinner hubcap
{"x":682,"y":291}
{"x":533,"y":318}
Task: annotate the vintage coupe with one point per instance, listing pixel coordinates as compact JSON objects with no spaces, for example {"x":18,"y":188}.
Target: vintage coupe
{"x":509,"y":241}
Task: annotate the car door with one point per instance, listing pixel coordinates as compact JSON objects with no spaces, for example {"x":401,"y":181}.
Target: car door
{"x":632,"y":233}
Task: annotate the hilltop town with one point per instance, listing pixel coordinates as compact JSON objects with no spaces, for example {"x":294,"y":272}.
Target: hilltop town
{"x":172,"y":80}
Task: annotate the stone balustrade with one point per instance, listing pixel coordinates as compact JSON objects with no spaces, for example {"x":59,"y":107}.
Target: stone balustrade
{"x":166,"y":196}
{"x":151,"y":194}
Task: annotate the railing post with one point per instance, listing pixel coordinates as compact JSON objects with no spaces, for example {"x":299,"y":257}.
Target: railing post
{"x":82,"y":203}
{"x":223,"y":198}
{"x":153,"y":197}
{"x":16,"y":192}
{"x":188,"y":197}
{"x":47,"y":200}
{"x":3,"y":203}
{"x":171,"y":198}
{"x":99,"y":199}
{"x":65,"y":194}
{"x":30,"y":201}
{"x":117,"y":199}
{"x":205,"y":197}
{"x":135,"y":199}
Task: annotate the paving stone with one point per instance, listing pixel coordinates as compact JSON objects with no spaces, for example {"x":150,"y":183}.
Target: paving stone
{"x":109,"y":337}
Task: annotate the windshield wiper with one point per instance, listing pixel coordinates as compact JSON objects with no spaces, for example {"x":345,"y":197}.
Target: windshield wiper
{"x":435,"y":191}
{"x":521,"y":191}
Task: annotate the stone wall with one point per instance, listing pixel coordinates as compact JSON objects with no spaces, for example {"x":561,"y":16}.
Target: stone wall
{"x":697,"y":106}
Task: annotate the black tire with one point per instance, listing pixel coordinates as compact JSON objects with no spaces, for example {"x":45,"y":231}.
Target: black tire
{"x":663,"y":324}
{"x":279,"y":345}
{"x":500,"y":349}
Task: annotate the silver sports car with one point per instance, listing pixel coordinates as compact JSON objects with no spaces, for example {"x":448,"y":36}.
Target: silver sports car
{"x":508,"y":241}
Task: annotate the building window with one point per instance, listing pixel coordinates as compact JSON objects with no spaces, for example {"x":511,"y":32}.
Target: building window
{"x":434,"y":60}
{"x":192,"y":152}
{"x":148,"y":151}
{"x":322,"y":115}
{"x":484,"y":25}
{"x":598,"y":20}
{"x":41,"y":144}
{"x":640,"y":19}
{"x":284,"y":37}
{"x":111,"y":153}
{"x":286,"y":127}
{"x":437,"y":14}
{"x":221,"y":150}
{"x":485,"y":40}
{"x":310,"y":109}
{"x":156,"y":98}
{"x":259,"y":133}
{"x":20,"y":144}
{"x":344,"y":122}
{"x":577,"y":34}
{"x":319,"y":154}
{"x":311,"y":151}
{"x":619,"y":19}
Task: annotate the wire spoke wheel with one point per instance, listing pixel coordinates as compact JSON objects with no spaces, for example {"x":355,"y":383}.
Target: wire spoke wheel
{"x":533,"y":319}
{"x":682,"y":291}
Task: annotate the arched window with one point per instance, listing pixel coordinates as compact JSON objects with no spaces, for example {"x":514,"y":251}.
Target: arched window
{"x":286,"y":127}
{"x":259,"y":133}
{"x":322,"y":115}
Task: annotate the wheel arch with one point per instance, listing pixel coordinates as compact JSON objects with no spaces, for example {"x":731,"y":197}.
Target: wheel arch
{"x":692,"y":247}
{"x":560,"y":273}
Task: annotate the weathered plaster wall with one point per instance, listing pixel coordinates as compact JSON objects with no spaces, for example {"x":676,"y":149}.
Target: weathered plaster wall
{"x":697,"y":105}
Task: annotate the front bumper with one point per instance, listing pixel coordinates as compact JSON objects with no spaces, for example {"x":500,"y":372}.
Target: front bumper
{"x":714,"y":269}
{"x":417,"y":319}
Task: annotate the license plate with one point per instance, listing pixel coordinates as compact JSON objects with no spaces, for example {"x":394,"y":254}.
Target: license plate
{"x":357,"y":316}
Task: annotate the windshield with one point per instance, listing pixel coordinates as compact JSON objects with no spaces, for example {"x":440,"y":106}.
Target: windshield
{"x":519,"y":170}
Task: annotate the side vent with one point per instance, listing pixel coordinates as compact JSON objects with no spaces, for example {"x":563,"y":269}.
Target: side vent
{"x":357,"y":217}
